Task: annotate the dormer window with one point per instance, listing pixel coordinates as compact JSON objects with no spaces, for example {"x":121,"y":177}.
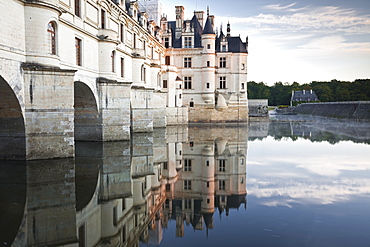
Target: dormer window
{"x":187,"y":42}
{"x":224,"y":48}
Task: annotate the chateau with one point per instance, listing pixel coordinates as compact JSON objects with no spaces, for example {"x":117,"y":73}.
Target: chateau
{"x":97,"y":70}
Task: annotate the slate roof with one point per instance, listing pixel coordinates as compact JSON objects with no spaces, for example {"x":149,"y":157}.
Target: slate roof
{"x":304,"y":96}
{"x":208,"y":28}
{"x":235,"y":44}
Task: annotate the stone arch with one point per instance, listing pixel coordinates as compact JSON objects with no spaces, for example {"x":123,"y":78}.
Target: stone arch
{"x":12,"y":128}
{"x":88,"y":124}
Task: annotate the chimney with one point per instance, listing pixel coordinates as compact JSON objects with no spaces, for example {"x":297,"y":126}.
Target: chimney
{"x":304,"y":91}
{"x":212,"y":18}
{"x":311,"y":91}
{"x":179,"y":20}
{"x":200,"y":16}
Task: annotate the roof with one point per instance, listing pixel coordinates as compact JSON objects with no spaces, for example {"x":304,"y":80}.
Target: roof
{"x":208,"y":28}
{"x":304,"y":96}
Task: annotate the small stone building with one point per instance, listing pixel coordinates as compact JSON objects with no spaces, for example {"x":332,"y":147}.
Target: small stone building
{"x":303,"y":97}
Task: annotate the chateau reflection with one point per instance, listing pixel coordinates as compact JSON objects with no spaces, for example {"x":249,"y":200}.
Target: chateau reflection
{"x":125,"y":193}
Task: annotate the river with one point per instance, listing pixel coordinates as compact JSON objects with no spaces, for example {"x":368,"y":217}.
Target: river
{"x":294,"y":181}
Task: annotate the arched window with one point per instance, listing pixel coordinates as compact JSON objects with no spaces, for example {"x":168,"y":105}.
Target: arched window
{"x":52,"y":38}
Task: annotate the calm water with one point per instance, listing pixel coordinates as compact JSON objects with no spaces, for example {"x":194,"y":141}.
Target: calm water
{"x":296,"y":181}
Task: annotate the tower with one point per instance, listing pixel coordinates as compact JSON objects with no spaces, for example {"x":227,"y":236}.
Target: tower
{"x":208,"y":78}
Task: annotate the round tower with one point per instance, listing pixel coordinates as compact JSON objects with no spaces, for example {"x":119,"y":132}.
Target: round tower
{"x":209,"y":59}
{"x":208,"y":179}
{"x":42,"y":32}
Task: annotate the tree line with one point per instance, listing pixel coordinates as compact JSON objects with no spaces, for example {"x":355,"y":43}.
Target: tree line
{"x":326,"y":91}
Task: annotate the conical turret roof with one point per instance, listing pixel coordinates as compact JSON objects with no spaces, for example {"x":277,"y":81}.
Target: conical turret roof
{"x":208,"y":28}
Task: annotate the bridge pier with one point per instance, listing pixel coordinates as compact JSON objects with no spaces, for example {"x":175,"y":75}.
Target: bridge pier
{"x":114,"y":99}
{"x":49,"y":111}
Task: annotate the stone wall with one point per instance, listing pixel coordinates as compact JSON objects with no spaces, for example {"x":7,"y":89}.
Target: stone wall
{"x":358,"y":110}
{"x":211,"y":115}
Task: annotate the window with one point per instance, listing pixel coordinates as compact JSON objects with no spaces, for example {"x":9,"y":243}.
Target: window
{"x":241,"y":162}
{"x":115,"y":216}
{"x":187,"y":82}
{"x":122,"y":67}
{"x":208,"y":201}
{"x":166,"y":42}
{"x":207,"y":184}
{"x":191,"y":144}
{"x":81,"y":236}
{"x":167,"y":60}
{"x":187,"y":184}
{"x":191,"y":104}
{"x":102,"y":19}
{"x":241,"y":180}
{"x":208,"y":46}
{"x":187,"y":203}
{"x":187,"y":42}
{"x":165,"y":84}
{"x":165,"y":165}
{"x":52,"y":38}
{"x":187,"y":62}
{"x":122,"y":33}
{"x":168,"y":187}
{"x":243,"y":86}
{"x":113,"y":57}
{"x":180,"y":96}
{"x":222,"y":62}
{"x":123,"y":205}
{"x":143,"y":72}
{"x":78,"y":51}
{"x":207,"y":163}
{"x":222,"y":165}
{"x":243,"y":66}
{"x":187,"y":167}
{"x":167,"y":204}
{"x":134,"y":40}
{"x":223,"y":48}
{"x":78,"y":8}
{"x":221,"y":184}
{"x":207,"y":85}
{"x":208,"y":63}
{"x":223,"y":82}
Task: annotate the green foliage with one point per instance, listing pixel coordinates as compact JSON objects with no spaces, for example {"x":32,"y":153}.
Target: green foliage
{"x":327,"y":91}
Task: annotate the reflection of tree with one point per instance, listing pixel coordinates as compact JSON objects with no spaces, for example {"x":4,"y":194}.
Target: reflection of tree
{"x":331,"y":131}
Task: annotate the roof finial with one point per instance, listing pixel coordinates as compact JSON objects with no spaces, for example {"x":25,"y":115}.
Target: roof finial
{"x":207,"y":11}
{"x":228,"y":29}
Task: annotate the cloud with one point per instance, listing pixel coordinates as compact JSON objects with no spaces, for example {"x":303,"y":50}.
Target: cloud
{"x":320,"y":20}
{"x":279,"y":7}
{"x":286,"y":192}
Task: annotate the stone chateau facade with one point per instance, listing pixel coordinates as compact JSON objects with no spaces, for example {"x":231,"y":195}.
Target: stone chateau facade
{"x":97,"y":70}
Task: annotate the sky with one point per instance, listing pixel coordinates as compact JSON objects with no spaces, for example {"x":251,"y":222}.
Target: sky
{"x":289,"y":41}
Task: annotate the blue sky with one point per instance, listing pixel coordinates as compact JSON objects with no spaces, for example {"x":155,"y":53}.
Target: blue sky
{"x":298,"y":41}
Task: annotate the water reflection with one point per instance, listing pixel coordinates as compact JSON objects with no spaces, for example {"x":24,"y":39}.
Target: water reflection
{"x":165,"y":187}
{"x":125,"y":193}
